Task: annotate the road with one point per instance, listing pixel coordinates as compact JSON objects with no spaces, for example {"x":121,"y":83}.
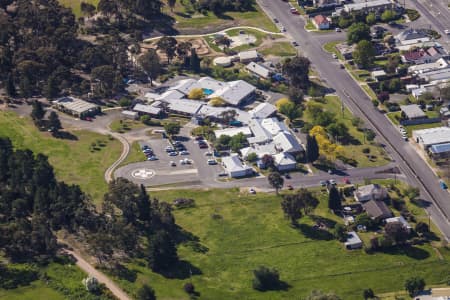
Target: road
{"x":410,"y":163}
{"x":86,"y":267}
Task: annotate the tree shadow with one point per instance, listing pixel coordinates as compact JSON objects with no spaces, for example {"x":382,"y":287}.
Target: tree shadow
{"x":224,"y":17}
{"x":314,"y":232}
{"x":123,"y":272}
{"x":183,"y":15}
{"x":322,"y":220}
{"x":181,"y":270}
{"x":410,"y":251}
{"x":279,"y":286}
{"x":431,"y":236}
{"x":421,"y":203}
{"x":64,"y":135}
{"x":190,"y":240}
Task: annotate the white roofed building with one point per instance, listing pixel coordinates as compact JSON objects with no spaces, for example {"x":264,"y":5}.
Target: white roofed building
{"x":184,"y":106}
{"x":284,"y":162}
{"x":235,"y":92}
{"x":274,"y":126}
{"x":248,"y":56}
{"x":284,"y":141}
{"x":151,"y":110}
{"x":260,"y":135}
{"x":235,"y":168}
{"x":258,"y":70}
{"x":263,"y":110}
{"x":76,"y":107}
{"x":185,"y":85}
{"x":431,"y":136}
{"x":170,"y":95}
{"x":232,"y":131}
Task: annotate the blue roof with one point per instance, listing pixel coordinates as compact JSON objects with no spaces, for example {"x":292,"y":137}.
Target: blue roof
{"x":440,"y":148}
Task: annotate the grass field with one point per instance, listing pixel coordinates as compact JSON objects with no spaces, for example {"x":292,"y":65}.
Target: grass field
{"x":330,"y":47}
{"x":377,"y":156}
{"x":75,"y":5}
{"x":249,"y":230}
{"x":280,"y":49}
{"x":38,"y":290}
{"x":123,"y":125}
{"x":74,"y":161}
{"x":135,"y":155}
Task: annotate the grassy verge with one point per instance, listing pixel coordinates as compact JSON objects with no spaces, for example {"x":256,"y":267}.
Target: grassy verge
{"x":135,"y":155}
{"x":75,"y":5}
{"x":369,"y":91}
{"x":330,"y":47}
{"x":310,"y":25}
{"x":393,"y":117}
{"x":376,"y":157}
{"x":240,"y":235}
{"x":74,"y":161}
{"x":123,"y":125}
{"x":188,"y":19}
{"x":280,"y":49}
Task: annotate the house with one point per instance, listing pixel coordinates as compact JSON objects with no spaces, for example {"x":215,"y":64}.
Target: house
{"x":274,"y":126}
{"x":377,"y":6}
{"x":248,"y":56}
{"x":259,"y":150}
{"x":370,"y":192}
{"x":441,"y":63}
{"x":412,"y":36}
{"x":263,"y":110}
{"x":184,"y":86}
{"x":169,"y":95}
{"x":415,"y":45}
{"x":431,"y":136}
{"x":378,"y":75}
{"x":232,"y":131}
{"x":321,"y":22}
{"x":151,"y":110}
{"x":416,"y":56}
{"x":436,"y":77}
{"x":346,"y":50}
{"x":128,"y":114}
{"x":76,"y":107}
{"x":440,"y":151}
{"x":260,"y":134}
{"x":377,"y":210}
{"x":184,"y":107}
{"x":234,"y":167}
{"x":258,"y":70}
{"x":400,"y":220}
{"x":235,"y":92}
{"x":284,"y":162}
{"x":286,"y":142}
{"x":413,"y":111}
{"x":325,"y":3}
{"x":416,"y":93}
{"x":353,"y":241}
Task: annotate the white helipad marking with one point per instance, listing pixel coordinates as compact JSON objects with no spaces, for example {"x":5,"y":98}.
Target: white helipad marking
{"x":143,"y":173}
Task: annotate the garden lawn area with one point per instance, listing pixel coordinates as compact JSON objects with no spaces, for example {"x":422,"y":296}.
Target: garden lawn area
{"x":75,"y":5}
{"x":392,"y":116}
{"x":280,"y":49}
{"x":331,"y":48}
{"x":74,"y":161}
{"x":310,"y":25}
{"x":187,"y":19}
{"x":123,"y":125}
{"x":38,"y":290}
{"x":242,"y":232}
{"x":411,"y":128}
{"x":376,"y":157}
{"x":369,"y":91}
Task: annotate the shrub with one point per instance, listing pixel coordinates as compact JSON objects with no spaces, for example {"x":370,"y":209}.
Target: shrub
{"x":183,"y":203}
{"x":265,"y":279}
{"x":366,"y":150}
{"x":383,"y":96}
{"x":370,"y":134}
{"x":375,"y":102}
{"x":196,"y":93}
{"x":252,"y":157}
{"x":189,"y":288}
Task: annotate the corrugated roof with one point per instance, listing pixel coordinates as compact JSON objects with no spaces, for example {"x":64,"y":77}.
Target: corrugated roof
{"x":441,"y":148}
{"x":76,"y":105}
{"x":149,"y":109}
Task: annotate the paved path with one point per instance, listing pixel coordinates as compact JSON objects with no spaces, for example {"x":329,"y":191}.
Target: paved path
{"x":123,"y":155}
{"x":102,"y":278}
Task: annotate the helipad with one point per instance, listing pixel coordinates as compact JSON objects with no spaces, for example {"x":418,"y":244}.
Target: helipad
{"x":143,"y":173}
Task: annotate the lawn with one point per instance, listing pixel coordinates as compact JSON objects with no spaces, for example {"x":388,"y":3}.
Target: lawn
{"x":411,"y":128}
{"x":75,"y":161}
{"x":38,"y":290}
{"x":189,"y":20}
{"x":135,"y":155}
{"x":393,"y":117}
{"x":123,"y":125}
{"x":242,"y":232}
{"x":369,"y":91}
{"x":310,"y":25}
{"x":377,"y":156}
{"x":330,"y":47}
{"x":75,"y":5}
{"x":280,"y":49}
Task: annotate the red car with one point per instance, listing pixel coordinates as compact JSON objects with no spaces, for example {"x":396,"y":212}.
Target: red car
{"x":294,"y":11}
{"x":202,"y":145}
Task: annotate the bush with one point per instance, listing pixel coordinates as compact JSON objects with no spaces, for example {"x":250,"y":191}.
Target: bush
{"x":412,"y":14}
{"x":375,"y":102}
{"x":124,"y":102}
{"x":196,"y":93}
{"x":183,"y":203}
{"x":370,"y":134}
{"x":252,"y":157}
{"x":13,"y":277}
{"x":189,"y":288}
{"x":366,"y":150}
{"x":265,"y":279}
{"x":383,"y":96}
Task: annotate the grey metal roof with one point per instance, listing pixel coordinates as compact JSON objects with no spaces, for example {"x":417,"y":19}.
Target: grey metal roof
{"x":76,"y":105}
{"x":413,"y":111}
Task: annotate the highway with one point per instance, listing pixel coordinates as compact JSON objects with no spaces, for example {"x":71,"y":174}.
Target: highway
{"x":409,"y":162}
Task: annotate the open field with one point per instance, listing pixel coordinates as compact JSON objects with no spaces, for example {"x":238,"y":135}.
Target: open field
{"x":377,"y":155}
{"x":189,"y":20}
{"x":75,"y":5}
{"x":242,"y":232}
{"x":74,"y":161}
{"x":36,"y":291}
{"x":279,"y":49}
{"x":123,"y":125}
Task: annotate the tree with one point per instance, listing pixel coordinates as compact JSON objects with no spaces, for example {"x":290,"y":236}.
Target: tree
{"x":183,"y":50}
{"x":368,"y":294}
{"x":422,"y":228}
{"x":338,"y":131}
{"x":145,"y":293}
{"x":340,"y":233}
{"x":395,"y":84}
{"x":172,"y":128}
{"x":392,"y":64}
{"x":161,"y":251}
{"x":10,"y":86}
{"x":295,"y":94}
{"x":293,"y":205}
{"x":168,"y":45}
{"x":171,"y":4}
{"x":218,"y":102}
{"x":290,"y":110}
{"x":265,"y":279}
{"x":51,"y":89}
{"x":194,"y":62}
{"x":53,"y":122}
{"x":334,"y":199}
{"x":397,"y":232}
{"x":196,"y":93}
{"x":280,"y":102}
{"x":87,"y":8}
{"x":189,"y":288}
{"x":37,"y":112}
{"x":358,"y":32}
{"x":297,"y":70}
{"x":149,"y":62}
{"x":252,"y":157}
{"x":412,"y":192}
{"x":364,"y":54}
{"x":388,"y":15}
{"x":414,"y":285}
{"x":276,"y":181}
{"x":268,"y":161}
{"x":371,"y":18}
{"x":312,"y":149}
{"x":25,"y":87}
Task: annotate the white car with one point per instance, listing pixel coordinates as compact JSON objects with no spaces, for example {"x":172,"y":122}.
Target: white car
{"x":173,"y":153}
{"x":172,"y":164}
{"x":337,"y":29}
{"x":447,"y":31}
{"x":152,"y":158}
{"x":332,"y":181}
{"x":182,"y":162}
{"x":184,"y":152}
{"x":212,"y":162}
{"x":283,"y":29}
{"x":334,"y":56}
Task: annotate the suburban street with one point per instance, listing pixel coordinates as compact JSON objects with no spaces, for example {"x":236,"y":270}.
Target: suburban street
{"x":410,"y":163}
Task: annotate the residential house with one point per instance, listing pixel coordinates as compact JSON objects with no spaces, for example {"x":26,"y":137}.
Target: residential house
{"x":412,"y":111}
{"x":400,"y":220}
{"x":376,"y":6}
{"x":284,"y":162}
{"x":263,"y":110}
{"x":321,"y":22}
{"x":285,"y":141}
{"x":440,"y":151}
{"x":412,"y":36}
{"x":441,"y":63}
{"x":431,"y":136}
{"x":151,"y":110}
{"x":436,"y":76}
{"x":325,"y":3}
{"x":235,"y":168}
{"x":370,"y":192}
{"x":377,"y":210}
{"x":416,"y":56}
{"x":248,"y":56}
{"x":378,"y":75}
{"x":353,"y":241}
{"x":258,"y":70}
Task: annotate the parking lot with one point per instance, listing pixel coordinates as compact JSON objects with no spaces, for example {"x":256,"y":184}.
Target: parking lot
{"x":169,"y":169}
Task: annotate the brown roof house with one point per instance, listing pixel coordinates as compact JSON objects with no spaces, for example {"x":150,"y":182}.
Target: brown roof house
{"x":370,"y":192}
{"x":377,"y":210}
{"x":321,"y":22}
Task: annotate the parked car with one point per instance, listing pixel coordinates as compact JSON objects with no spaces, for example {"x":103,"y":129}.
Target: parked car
{"x":208,"y":153}
{"x":252,"y":191}
{"x":294,"y":43}
{"x":287,"y":176}
{"x":443,"y":185}
{"x":290,"y":187}
{"x":337,"y":29}
{"x":172,"y":164}
{"x":184,"y":152}
{"x":447,"y":31}
{"x":332,"y":181}
{"x":212,"y":162}
{"x":203,"y":145}
{"x":173,"y":153}
{"x":334,"y":56}
{"x":144,"y":147}
{"x":323,"y":182}
{"x":152,"y":158}
{"x":283,"y":29}
{"x":170,"y":149}
{"x":275,"y":20}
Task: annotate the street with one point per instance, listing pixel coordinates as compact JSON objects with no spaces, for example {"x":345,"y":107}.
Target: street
{"x":416,"y":170}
